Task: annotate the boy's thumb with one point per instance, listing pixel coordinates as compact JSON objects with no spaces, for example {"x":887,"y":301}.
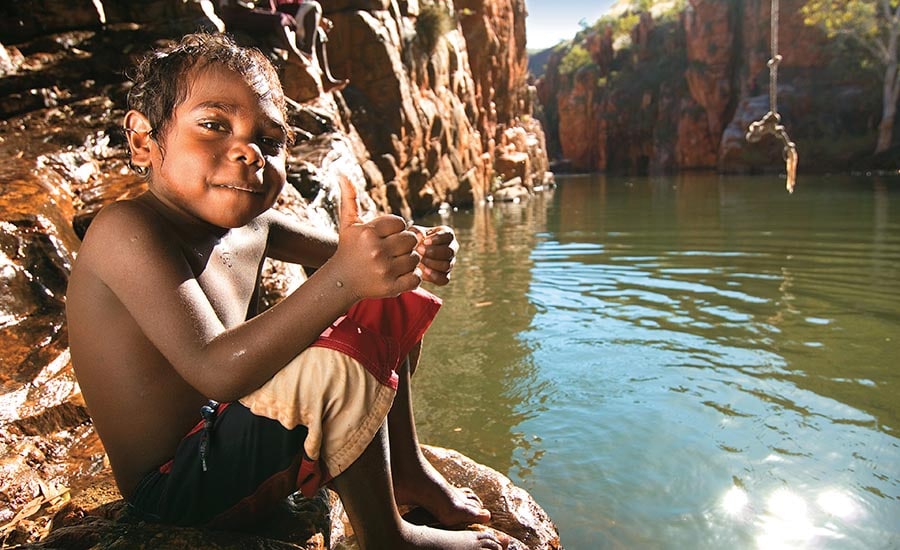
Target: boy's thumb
{"x":349,"y":213}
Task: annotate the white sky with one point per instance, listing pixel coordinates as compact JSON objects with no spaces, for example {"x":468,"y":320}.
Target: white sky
{"x":550,"y":21}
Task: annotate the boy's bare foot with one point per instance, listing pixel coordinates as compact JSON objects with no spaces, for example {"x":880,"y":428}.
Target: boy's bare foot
{"x":448,"y":504}
{"x":427,"y":538}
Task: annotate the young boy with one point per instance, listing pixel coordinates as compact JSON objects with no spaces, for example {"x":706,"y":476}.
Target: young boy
{"x":211,"y":413}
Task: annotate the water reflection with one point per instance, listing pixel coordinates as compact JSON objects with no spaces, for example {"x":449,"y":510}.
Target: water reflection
{"x":684,"y":362}
{"x":475,"y":369}
{"x":786,"y":520}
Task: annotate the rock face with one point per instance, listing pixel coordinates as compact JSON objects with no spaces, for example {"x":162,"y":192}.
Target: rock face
{"x":680,"y":90}
{"x":422,"y":123}
{"x":433,"y":135}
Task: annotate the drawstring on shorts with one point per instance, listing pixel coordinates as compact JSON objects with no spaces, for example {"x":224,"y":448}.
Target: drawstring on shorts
{"x":208,"y":412}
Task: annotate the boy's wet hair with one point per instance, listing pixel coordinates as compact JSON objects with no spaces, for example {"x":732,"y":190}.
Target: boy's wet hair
{"x":162,"y":79}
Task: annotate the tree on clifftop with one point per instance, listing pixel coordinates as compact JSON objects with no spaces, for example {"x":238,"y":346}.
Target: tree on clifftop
{"x":874,"y":25}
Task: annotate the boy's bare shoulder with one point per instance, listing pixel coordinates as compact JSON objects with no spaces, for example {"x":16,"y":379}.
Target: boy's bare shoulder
{"x":116,"y":219}
{"x":124,"y":235}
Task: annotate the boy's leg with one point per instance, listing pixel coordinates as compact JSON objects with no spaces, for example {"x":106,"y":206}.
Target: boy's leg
{"x":416,"y":481}
{"x":288,"y":38}
{"x":231,"y":470}
{"x":308,"y":16}
{"x":366,"y":491}
{"x":328,"y":81}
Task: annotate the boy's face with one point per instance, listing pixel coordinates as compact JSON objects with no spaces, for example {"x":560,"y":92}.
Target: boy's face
{"x":222,"y":159}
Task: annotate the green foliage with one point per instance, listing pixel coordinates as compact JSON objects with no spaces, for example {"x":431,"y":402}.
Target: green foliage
{"x":674,"y":14}
{"x":664,"y":12}
{"x":666,"y":64}
{"x":843,"y":17}
{"x":860,"y":21}
{"x":626,"y":23}
{"x":432,"y":24}
{"x":576,"y":58}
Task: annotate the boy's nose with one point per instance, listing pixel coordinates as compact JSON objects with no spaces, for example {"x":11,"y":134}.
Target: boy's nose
{"x":248,"y":153}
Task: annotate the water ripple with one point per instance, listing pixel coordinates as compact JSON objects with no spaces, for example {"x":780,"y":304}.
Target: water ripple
{"x":707,"y":364}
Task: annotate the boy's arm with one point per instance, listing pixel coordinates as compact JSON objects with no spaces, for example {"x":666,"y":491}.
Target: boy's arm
{"x":133,"y":254}
{"x":293,"y":241}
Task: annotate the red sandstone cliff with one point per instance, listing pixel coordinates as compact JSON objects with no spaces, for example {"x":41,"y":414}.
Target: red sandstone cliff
{"x":683,"y":93}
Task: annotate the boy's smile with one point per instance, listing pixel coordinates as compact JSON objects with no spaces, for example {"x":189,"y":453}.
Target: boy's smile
{"x":221,"y":159}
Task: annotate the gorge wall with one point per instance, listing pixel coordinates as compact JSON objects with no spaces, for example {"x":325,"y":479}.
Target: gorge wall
{"x":424,"y":124}
{"x":680,"y":89}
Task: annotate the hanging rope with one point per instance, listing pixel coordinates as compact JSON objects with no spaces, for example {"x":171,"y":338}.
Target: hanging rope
{"x":771,"y":122}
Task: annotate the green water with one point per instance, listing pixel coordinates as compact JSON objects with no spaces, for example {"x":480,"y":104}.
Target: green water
{"x":693,"y":362}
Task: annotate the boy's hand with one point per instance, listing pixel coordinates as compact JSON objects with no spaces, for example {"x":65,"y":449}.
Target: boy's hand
{"x":378,"y":258}
{"x":438,"y":247}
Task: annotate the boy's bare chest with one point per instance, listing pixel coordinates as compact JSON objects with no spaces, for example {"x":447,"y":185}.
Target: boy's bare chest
{"x":228,"y":273}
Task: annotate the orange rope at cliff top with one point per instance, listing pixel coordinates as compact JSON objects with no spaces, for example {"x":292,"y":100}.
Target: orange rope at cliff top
{"x":771,"y":122}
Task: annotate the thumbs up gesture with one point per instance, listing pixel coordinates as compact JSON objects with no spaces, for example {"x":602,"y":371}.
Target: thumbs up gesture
{"x":378,"y":258}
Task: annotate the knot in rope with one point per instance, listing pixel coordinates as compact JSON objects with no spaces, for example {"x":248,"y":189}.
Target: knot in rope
{"x":770,"y":123}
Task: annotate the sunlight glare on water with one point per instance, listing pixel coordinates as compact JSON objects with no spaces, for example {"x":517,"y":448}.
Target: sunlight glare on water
{"x":694,"y":362}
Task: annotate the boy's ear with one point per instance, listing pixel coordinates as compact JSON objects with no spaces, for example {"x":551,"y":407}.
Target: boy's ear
{"x":138,"y":131}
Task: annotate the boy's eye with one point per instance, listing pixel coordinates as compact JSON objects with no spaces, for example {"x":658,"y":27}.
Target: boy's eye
{"x":274,"y":144}
{"x":213,"y":125}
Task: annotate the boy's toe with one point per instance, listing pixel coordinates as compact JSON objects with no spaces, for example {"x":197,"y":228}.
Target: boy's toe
{"x":493,"y":539}
{"x":474,"y":504}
